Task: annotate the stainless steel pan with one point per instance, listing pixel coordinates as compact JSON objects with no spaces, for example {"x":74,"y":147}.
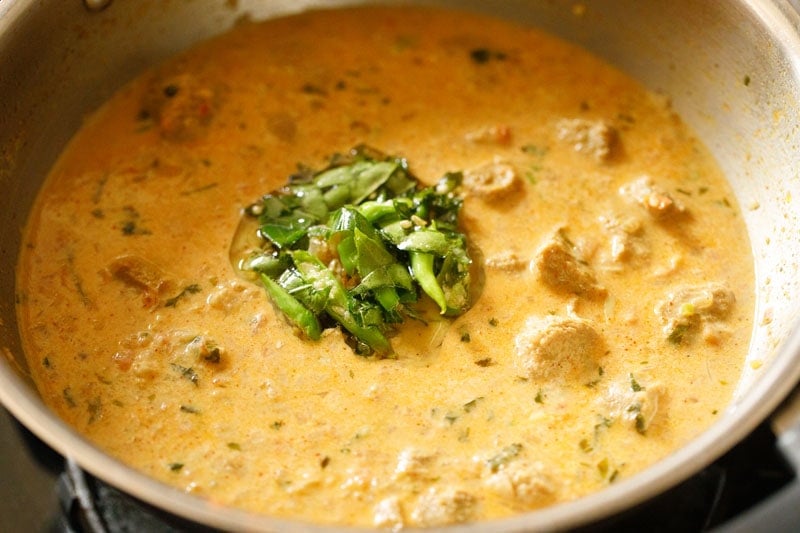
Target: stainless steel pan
{"x":731,"y":68}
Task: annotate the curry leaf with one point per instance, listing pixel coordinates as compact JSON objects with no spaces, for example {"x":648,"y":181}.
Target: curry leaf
{"x":357,"y":243}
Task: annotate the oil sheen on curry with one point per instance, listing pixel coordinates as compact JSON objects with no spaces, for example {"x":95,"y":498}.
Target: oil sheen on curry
{"x":610,"y":291}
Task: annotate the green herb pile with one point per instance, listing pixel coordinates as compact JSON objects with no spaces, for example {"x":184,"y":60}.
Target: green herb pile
{"x":357,"y":243}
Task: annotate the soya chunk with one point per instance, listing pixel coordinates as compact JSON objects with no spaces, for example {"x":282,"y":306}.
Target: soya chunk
{"x":143,"y":275}
{"x":560,"y":269}
{"x":695,"y":308}
{"x":625,"y":238}
{"x":525,"y":484}
{"x":492,"y":180}
{"x":655,"y":200}
{"x":181,"y":106}
{"x":388,"y":514}
{"x":414,"y":464}
{"x":636,"y":402}
{"x":595,"y":138}
{"x":441,"y":506}
{"x":557,"y":346}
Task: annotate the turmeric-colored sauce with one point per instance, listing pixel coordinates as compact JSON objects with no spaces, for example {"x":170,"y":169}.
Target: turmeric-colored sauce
{"x":612,"y":324}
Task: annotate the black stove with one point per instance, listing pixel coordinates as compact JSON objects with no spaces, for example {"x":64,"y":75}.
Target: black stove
{"x":41,"y":492}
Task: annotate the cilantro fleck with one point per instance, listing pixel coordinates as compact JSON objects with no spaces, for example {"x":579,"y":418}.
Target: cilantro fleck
{"x":604,"y":468}
{"x":67,"y":393}
{"x":635,"y":387}
{"x":171,"y":90}
{"x":625,"y":117}
{"x":194,"y":288}
{"x":677,"y":335}
{"x":95,"y":408}
{"x":535,"y":150}
{"x":470,"y":405}
{"x":130,"y":223}
{"x":484,"y":55}
{"x":213,"y":355}
{"x":186,"y":372}
{"x":641,"y":424}
{"x":504,"y":456}
{"x":309,"y":88}
{"x":604,"y":423}
{"x":129,"y":228}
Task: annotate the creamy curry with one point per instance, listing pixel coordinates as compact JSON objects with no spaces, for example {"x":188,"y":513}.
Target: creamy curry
{"x":611,"y":325}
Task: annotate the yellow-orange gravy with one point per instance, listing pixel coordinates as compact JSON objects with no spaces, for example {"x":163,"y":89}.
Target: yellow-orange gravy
{"x":611,"y":329}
